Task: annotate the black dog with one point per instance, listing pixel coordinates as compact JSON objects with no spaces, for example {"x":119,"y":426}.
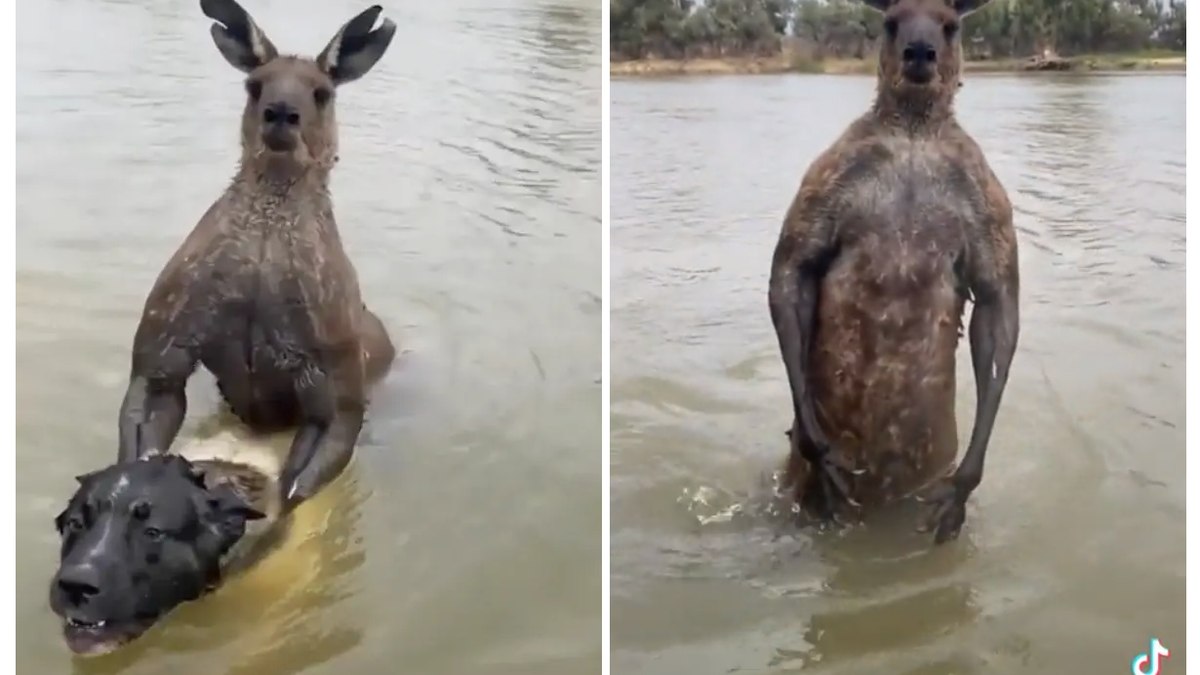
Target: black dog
{"x":140,"y":538}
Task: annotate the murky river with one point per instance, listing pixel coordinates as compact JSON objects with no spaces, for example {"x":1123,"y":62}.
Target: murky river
{"x":466,"y":536}
{"x":1073,"y":553}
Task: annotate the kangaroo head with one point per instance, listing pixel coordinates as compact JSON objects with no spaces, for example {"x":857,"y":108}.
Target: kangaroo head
{"x":289,"y":114}
{"x":921,"y":52}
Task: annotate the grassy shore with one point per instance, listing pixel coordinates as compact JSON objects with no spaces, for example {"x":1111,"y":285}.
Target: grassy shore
{"x":784,"y":63}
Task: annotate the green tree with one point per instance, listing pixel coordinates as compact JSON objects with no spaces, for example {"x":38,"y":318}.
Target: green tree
{"x":849,"y":29}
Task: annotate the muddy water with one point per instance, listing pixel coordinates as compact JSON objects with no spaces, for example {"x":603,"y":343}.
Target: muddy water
{"x":1073,"y":553}
{"x":466,"y":535}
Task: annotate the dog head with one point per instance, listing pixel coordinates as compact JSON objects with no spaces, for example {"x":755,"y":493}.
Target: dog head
{"x":138,"y":539}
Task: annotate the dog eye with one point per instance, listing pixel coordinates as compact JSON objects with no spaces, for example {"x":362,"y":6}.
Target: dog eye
{"x":155,"y":534}
{"x":141,"y":510}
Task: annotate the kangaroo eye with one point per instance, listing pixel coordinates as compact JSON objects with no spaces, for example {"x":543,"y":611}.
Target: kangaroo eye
{"x":254,"y":89}
{"x":322,"y":95}
{"x":891,"y":26}
{"x":74,"y":525}
{"x":951,"y":30}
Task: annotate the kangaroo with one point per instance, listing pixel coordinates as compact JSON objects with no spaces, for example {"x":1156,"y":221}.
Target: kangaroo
{"x":261,"y":292}
{"x":895,"y":226}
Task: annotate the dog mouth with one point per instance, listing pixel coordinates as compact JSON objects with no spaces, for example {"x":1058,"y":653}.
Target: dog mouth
{"x":95,"y":638}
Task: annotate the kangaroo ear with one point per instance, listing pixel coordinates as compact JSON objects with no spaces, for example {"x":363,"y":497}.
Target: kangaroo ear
{"x":356,"y":48}
{"x":240,"y":40}
{"x":965,"y":7}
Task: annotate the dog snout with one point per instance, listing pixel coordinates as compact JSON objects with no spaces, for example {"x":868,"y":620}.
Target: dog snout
{"x":282,"y":114}
{"x":79,"y":582}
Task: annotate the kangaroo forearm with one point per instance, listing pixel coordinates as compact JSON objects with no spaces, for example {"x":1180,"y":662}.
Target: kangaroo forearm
{"x":793,"y":309}
{"x":993,"y":335}
{"x":150,"y":419}
{"x":318,"y":454}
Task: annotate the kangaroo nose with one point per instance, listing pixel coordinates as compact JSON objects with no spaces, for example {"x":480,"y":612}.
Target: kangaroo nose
{"x":281,"y":113}
{"x":79,"y":582}
{"x":919,"y":52}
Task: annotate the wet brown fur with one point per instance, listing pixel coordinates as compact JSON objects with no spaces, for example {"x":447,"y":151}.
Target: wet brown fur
{"x":262,"y":292}
{"x":900,"y":221}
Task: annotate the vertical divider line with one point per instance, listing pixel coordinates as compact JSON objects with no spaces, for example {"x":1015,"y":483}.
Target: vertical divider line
{"x":606,"y":307}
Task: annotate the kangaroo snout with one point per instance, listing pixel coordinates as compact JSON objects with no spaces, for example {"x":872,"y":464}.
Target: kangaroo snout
{"x":919,"y":53}
{"x":280,"y":126}
{"x":281,"y":113}
{"x":920,"y":59}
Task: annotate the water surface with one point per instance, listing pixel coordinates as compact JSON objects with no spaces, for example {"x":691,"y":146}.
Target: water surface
{"x":1073,"y":552}
{"x":466,"y":535}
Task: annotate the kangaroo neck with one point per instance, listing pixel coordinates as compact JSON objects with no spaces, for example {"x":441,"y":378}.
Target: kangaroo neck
{"x":917,"y":112}
{"x":267,"y":198}
{"x":282,"y":176}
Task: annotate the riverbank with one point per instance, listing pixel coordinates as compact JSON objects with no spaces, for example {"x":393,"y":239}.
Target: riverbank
{"x":784,"y":63}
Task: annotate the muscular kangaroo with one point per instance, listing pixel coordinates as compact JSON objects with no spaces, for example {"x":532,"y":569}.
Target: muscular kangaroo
{"x":894,"y":227}
{"x":261,"y":292}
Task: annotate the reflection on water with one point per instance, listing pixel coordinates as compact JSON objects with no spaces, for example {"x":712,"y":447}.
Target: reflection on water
{"x":465,"y":536}
{"x":708,"y":574}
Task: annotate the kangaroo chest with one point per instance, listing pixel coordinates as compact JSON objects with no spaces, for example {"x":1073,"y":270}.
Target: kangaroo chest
{"x":907,"y":193}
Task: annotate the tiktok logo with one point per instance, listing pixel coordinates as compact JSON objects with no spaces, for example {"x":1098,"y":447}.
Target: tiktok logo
{"x":1148,"y":663}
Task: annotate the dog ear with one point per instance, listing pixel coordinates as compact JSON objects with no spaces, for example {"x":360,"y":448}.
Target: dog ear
{"x":197,"y":477}
{"x":228,"y":512}
{"x":60,"y":521}
{"x":84,"y":478}
{"x":190,"y":471}
{"x":228,"y":503}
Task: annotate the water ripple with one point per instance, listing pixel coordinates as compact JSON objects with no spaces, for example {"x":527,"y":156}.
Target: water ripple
{"x":1089,"y":437}
{"x":468,"y":196}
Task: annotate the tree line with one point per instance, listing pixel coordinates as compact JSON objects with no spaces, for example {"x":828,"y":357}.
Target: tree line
{"x":849,"y":29}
